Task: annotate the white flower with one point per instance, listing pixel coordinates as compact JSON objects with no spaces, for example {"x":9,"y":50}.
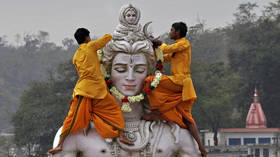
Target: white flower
{"x":126,"y":107}
{"x":157,"y":78}
{"x":99,"y":53}
{"x":159,"y":55}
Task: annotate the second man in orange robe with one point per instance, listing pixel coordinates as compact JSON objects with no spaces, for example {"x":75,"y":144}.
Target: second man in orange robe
{"x":173,"y":98}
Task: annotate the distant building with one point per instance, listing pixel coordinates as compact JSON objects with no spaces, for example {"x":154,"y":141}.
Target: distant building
{"x":256,"y":140}
{"x":8,"y":135}
{"x":6,"y":145}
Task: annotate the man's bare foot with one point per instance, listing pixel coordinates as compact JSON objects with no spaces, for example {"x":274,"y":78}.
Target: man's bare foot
{"x":55,"y":150}
{"x":153,"y":116}
{"x":203,"y":152}
{"x":124,"y":140}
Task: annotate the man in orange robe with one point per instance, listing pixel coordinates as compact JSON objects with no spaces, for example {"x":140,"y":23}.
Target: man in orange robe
{"x":91,"y":99}
{"x":173,"y":98}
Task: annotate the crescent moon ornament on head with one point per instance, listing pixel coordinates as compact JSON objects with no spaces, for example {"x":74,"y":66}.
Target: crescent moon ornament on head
{"x":146,"y":33}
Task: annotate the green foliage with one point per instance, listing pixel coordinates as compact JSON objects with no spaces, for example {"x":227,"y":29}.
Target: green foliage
{"x":209,"y":46}
{"x":254,"y":54}
{"x":245,"y":13}
{"x":272,"y":11}
{"x":217,"y":89}
{"x":43,"y":108}
{"x":19,"y":65}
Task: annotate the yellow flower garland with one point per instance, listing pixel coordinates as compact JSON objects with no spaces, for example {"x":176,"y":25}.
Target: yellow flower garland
{"x":157,"y":78}
{"x":131,"y":99}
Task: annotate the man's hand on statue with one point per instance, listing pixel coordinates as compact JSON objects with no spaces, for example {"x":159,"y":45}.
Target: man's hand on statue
{"x":156,"y":43}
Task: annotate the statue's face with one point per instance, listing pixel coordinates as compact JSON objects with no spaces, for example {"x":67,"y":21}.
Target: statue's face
{"x":129,"y":72}
{"x":130,"y":17}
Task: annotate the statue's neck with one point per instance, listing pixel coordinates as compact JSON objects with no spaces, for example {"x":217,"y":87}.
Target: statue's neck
{"x":136,"y":107}
{"x":136,"y":112}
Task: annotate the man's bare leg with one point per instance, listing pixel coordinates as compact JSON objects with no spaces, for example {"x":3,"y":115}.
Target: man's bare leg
{"x":194,"y":132}
{"x":124,"y":140}
{"x":58,"y":148}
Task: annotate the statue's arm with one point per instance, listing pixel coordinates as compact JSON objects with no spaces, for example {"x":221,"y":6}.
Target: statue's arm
{"x":66,"y":154}
{"x":69,"y":146}
{"x":188,"y":145}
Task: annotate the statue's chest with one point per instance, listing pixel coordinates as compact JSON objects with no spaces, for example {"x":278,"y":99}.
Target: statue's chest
{"x":161,"y":150}
{"x":149,"y":142}
{"x":117,"y":151}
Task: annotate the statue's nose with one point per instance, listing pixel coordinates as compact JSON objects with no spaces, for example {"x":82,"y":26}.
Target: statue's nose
{"x":130,"y":75}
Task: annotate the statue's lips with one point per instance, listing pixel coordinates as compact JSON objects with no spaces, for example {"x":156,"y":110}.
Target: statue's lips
{"x":129,"y":86}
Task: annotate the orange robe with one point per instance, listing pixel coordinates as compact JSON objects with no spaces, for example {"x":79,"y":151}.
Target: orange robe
{"x":91,"y":82}
{"x":91,"y":99}
{"x":175,"y":94}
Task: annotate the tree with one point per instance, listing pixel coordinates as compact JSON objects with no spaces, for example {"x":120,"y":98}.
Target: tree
{"x":29,"y":60}
{"x":42,"y":110}
{"x":245,"y":13}
{"x":254,"y":54}
{"x":272,"y":11}
{"x":217,"y":90}
{"x":209,"y":46}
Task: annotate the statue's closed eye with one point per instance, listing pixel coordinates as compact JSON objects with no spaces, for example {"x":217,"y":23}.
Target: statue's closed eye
{"x":139,"y":69}
{"x":120,"y":69}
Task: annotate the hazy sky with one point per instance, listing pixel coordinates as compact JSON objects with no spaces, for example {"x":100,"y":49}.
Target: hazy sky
{"x":61,"y":17}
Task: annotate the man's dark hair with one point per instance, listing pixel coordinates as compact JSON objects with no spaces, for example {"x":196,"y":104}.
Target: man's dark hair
{"x":182,"y":27}
{"x":81,"y":34}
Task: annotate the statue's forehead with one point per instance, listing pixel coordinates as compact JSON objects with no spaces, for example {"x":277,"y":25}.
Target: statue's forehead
{"x":130,"y":10}
{"x":123,"y":58}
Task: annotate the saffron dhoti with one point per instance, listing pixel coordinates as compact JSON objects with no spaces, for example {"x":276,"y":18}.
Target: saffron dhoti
{"x":167,"y":99}
{"x":84,"y":109}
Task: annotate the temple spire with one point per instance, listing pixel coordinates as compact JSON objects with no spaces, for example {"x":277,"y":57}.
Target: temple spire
{"x":256,"y":117}
{"x":256,"y":96}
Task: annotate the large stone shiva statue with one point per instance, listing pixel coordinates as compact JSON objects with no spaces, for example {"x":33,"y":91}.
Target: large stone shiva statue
{"x":129,"y":59}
